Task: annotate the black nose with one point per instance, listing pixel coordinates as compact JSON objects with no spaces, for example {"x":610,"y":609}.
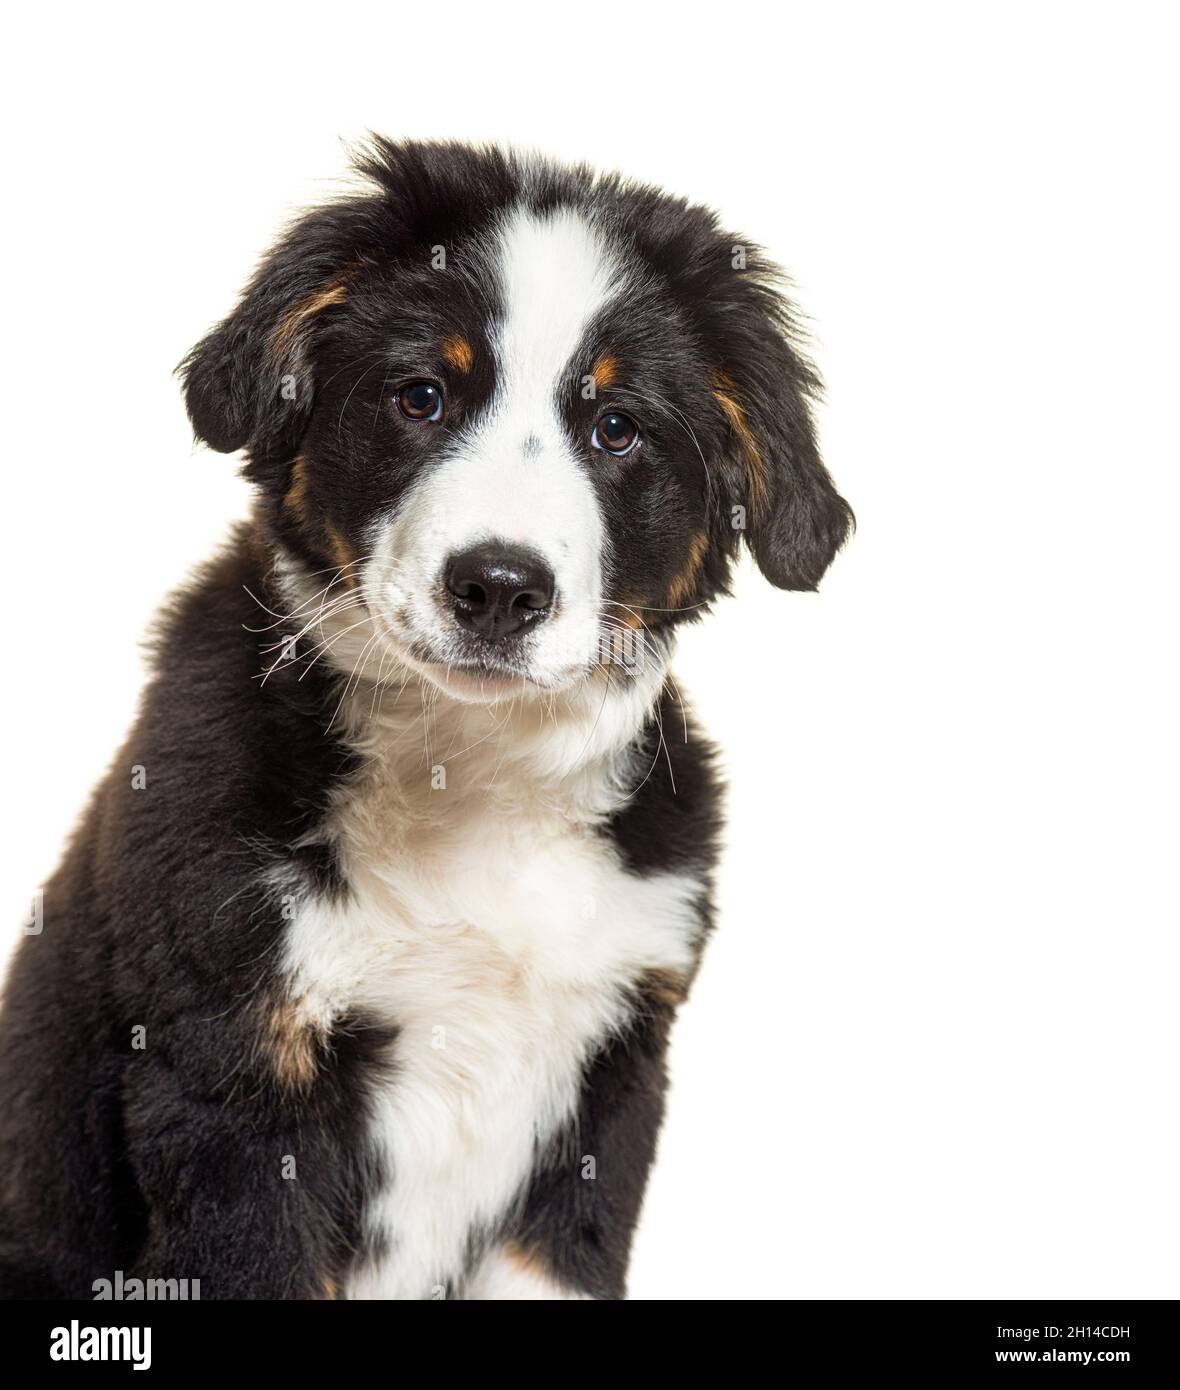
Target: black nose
{"x":498,"y":590}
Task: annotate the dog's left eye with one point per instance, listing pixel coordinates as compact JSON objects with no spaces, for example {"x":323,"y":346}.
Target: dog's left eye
{"x":420,"y":400}
{"x":616,"y":433}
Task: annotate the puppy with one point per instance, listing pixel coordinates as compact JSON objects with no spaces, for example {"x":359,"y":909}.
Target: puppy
{"x":357,"y":977}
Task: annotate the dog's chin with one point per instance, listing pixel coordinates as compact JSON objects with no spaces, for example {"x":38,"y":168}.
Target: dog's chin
{"x":473,"y":680}
{"x":468,"y":683}
{"x":472,"y":685}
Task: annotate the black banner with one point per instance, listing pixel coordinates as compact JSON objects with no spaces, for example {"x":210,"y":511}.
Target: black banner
{"x":902,"y":1338}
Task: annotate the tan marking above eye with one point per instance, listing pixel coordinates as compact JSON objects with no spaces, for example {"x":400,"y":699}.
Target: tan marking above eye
{"x":605,"y":372}
{"x":458,"y":353}
{"x":725,"y":393}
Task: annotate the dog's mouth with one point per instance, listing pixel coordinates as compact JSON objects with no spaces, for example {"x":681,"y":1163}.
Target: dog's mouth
{"x":471,"y":682}
{"x":474,"y":678}
{"x":471,"y":670}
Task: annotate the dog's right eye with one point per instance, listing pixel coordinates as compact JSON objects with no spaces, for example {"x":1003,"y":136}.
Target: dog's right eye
{"x":615,"y":433}
{"x":420,"y":400}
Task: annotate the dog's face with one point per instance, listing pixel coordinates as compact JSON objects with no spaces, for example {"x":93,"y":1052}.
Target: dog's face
{"x":526,"y":415}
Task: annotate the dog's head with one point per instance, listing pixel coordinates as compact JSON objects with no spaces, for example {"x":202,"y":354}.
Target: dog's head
{"x":520,"y":413}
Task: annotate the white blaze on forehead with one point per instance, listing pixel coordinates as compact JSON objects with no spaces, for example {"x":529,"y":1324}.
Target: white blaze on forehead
{"x":555,"y":276}
{"x":515,"y":475}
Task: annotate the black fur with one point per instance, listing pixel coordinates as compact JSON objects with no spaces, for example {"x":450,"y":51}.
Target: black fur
{"x":161,"y":1160}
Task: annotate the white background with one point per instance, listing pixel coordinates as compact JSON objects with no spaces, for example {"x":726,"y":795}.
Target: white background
{"x":933,"y":1049}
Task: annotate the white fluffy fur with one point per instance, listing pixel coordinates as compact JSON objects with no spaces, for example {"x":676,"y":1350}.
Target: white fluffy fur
{"x":488,"y":919}
{"x":494,"y":925}
{"x":503,"y":1277}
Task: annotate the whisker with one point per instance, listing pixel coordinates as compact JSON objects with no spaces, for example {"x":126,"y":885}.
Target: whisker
{"x":348,"y":683}
{"x":339,"y":605}
{"x":597,"y":717}
{"x":327,"y":645}
{"x":355,"y":384}
{"x":682,"y":419}
{"x":336,"y":571}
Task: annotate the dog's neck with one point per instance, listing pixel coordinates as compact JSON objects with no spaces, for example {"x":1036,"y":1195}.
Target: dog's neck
{"x":575,"y":752}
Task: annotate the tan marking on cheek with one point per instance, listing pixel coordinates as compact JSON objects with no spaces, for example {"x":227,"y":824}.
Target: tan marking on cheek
{"x":298,"y":502}
{"x":605,"y":372}
{"x":684,"y":583}
{"x":296,"y":499}
{"x":725,"y":393}
{"x":342,"y":553}
{"x":331,"y":1289}
{"x":629,"y":612}
{"x":457,"y":352}
{"x":291,"y":1044}
{"x":616,"y":646}
{"x":286,"y":332}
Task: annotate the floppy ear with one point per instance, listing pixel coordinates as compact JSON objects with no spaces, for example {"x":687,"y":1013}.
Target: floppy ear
{"x":249,"y":382}
{"x":795,"y":520}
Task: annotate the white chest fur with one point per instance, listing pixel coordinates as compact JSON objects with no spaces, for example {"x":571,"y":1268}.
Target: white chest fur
{"x":499,"y":933}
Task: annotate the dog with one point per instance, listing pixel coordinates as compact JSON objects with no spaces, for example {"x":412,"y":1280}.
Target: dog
{"x":356,"y":979}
